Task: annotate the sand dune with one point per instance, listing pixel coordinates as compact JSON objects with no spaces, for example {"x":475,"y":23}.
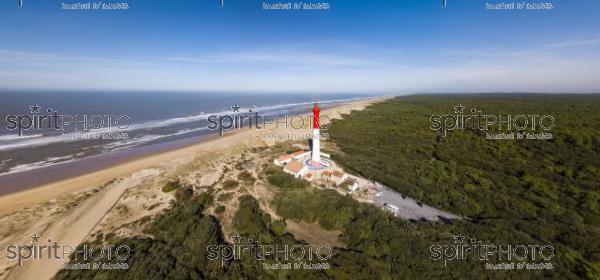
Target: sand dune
{"x":74,"y":227}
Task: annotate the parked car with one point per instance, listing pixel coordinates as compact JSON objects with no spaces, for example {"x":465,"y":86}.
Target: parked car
{"x":391,"y":208}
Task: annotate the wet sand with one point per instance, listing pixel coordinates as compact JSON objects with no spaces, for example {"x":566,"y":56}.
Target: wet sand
{"x":21,"y":181}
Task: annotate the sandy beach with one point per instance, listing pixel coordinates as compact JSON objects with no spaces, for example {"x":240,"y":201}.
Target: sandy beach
{"x":12,"y":202}
{"x":76,"y":209}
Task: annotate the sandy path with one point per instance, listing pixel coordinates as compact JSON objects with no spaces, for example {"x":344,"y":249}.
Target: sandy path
{"x":78,"y":223}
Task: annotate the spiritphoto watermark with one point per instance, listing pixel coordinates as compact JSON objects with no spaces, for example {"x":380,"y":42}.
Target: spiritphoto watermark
{"x":272,"y":256}
{"x":495,"y":126}
{"x":86,"y":256}
{"x":72,"y":126}
{"x":251,"y":119}
{"x":496,"y":256}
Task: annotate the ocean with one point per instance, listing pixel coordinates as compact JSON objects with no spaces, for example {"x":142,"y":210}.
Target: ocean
{"x":76,"y":129}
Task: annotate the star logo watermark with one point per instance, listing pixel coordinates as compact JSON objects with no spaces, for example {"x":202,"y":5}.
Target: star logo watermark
{"x":35,"y":238}
{"x":458,"y":109}
{"x":235,"y":108}
{"x":236,"y":238}
{"x":459,"y":238}
{"x":35,"y":109}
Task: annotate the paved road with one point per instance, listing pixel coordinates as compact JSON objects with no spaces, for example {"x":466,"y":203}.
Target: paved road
{"x":408,"y":208}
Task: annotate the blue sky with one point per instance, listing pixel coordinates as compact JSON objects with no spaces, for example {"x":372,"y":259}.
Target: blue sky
{"x":387,"y":46}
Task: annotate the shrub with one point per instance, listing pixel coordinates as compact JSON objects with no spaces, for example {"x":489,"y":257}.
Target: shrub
{"x":184,"y":193}
{"x":230,"y":184}
{"x":278,"y":227}
{"x":220,"y":209}
{"x":246,"y":177}
{"x":278,"y":178}
{"x":225,"y":197}
{"x":171,"y":186}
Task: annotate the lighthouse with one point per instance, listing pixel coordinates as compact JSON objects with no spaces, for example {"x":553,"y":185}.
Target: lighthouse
{"x":316,"y":149}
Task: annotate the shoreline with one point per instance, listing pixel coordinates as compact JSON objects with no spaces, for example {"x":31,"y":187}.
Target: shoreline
{"x":30,"y":179}
{"x":13,"y":182}
{"x":14,"y":201}
{"x":11,"y":202}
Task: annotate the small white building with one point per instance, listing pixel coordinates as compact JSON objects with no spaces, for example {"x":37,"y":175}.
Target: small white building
{"x":326,"y":175}
{"x":352,"y":186}
{"x":285,"y":159}
{"x":308,"y":177}
{"x":338,"y":176}
{"x":295,"y":168}
{"x":300,"y":154}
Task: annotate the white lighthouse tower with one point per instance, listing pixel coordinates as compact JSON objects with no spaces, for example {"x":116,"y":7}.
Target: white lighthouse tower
{"x":316,"y":149}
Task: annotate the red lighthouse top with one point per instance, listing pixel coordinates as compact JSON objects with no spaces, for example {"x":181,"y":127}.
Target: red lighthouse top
{"x":316,"y":111}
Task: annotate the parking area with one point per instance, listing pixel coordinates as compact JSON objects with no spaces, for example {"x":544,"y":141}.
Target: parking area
{"x":408,"y":208}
